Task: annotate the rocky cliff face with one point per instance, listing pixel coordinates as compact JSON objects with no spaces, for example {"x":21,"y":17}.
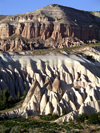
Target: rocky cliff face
{"x":56,"y":31}
{"x":53,"y":82}
{"x":53,"y":21}
{"x":5,"y":30}
{"x":84,"y":33}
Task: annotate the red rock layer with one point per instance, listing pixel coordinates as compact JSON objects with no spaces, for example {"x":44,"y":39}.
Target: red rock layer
{"x":55,"y":31}
{"x":5,"y":31}
{"x":84,"y":33}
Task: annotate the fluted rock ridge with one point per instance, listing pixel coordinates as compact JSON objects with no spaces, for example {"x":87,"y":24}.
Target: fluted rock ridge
{"x":65,"y":82}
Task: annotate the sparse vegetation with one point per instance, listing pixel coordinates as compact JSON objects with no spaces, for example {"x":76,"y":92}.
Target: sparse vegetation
{"x":34,"y":130}
{"x":57,"y":50}
{"x":5,"y":99}
{"x":16,"y":129}
{"x":72,"y":131}
{"x":28,"y":125}
{"x":94,"y":118}
{"x":90,"y":119}
{"x":49,"y":117}
{"x":32,"y":125}
{"x":3,"y":129}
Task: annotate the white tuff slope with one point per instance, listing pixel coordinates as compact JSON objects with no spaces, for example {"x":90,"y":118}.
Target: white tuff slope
{"x":54,"y":82}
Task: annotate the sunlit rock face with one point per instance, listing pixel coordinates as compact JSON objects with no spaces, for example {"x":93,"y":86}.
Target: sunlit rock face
{"x":53,"y":82}
{"x":51,"y":26}
{"x":5,"y":30}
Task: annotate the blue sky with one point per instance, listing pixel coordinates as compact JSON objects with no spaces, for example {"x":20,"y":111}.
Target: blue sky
{"x":10,"y":7}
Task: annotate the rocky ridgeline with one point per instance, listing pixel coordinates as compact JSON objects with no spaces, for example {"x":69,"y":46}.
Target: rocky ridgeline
{"x":23,"y":18}
{"x":53,"y":82}
{"x":53,"y":21}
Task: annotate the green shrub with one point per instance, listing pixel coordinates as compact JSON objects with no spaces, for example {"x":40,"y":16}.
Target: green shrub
{"x":64,"y":122}
{"x":4,"y":95}
{"x":6,"y":100}
{"x":18,"y":96}
{"x":71,"y":121}
{"x":21,"y":98}
{"x":49,"y":114}
{"x":97,"y":41}
{"x":55,"y":116}
{"x":72,"y":131}
{"x":82,"y":117}
{"x":24,"y":93}
{"x":64,"y":111}
{"x":51,"y":131}
{"x":10,"y":99}
{"x":3,"y":129}
{"x":16,"y":129}
{"x":49,"y":117}
{"x":79,"y":127}
{"x":34,"y":130}
{"x":94,"y":119}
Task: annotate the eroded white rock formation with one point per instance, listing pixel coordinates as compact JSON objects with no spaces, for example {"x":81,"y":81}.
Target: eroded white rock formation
{"x":53,"y":83}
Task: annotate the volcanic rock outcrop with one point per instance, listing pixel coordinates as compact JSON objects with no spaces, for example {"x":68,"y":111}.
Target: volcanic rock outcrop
{"x":53,"y":21}
{"x":53,"y":82}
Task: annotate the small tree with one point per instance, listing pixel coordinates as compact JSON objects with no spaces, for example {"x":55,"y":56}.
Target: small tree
{"x":25,"y":93}
{"x":64,"y":111}
{"x":11,"y":100}
{"x":5,"y":98}
{"x":4,"y":95}
{"x":18,"y":96}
